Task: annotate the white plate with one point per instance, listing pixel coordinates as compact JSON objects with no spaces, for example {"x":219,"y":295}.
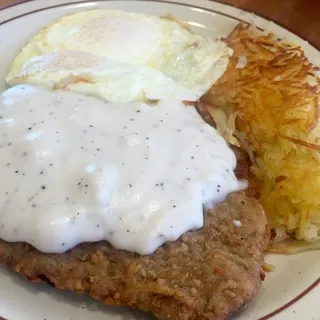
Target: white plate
{"x":294,"y":286}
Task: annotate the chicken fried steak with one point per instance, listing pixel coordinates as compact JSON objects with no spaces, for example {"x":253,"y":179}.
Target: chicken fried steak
{"x":205,"y":274}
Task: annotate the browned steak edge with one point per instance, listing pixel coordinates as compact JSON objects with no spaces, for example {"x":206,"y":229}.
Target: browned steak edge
{"x":205,"y":274}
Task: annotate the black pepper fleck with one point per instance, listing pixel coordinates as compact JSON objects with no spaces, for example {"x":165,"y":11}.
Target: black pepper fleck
{"x":130,"y":185}
{"x":43,"y":187}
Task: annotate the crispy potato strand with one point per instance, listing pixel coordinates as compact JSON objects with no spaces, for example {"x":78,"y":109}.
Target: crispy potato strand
{"x":276,"y":100}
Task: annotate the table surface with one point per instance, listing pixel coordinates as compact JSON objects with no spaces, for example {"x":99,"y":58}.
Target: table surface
{"x":299,"y":16}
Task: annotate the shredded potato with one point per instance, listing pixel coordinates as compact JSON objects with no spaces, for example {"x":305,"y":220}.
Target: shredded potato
{"x":291,"y":246}
{"x":275,"y":97}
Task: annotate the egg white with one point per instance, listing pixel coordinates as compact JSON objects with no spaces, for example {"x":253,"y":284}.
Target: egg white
{"x":121,"y":57}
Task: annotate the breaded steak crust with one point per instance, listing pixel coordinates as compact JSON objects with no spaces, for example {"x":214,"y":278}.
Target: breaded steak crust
{"x":205,"y":274}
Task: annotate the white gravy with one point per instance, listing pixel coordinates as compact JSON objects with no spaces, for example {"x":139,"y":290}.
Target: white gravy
{"x":75,"y":169}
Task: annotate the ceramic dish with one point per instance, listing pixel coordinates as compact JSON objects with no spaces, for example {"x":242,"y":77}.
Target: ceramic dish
{"x":290,"y":292}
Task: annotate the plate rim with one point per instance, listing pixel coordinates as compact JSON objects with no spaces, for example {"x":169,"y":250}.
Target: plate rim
{"x":207,"y":8}
{"x":220,"y":2}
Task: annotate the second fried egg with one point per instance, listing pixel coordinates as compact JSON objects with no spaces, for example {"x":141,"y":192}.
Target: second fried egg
{"x":121,"y":57}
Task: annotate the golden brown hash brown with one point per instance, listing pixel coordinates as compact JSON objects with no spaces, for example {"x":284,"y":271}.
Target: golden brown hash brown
{"x":206,"y":274}
{"x":274,"y":96}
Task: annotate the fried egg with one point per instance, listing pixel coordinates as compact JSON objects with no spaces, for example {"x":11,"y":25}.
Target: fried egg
{"x":121,"y":57}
